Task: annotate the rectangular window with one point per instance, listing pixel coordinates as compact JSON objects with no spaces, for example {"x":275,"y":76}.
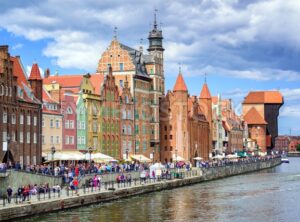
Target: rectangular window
{"x":83,"y":140}
{"x":144,"y":145}
{"x":78,"y":124}
{"x":171,"y":137}
{"x":43,"y":122}
{"x":137,"y":145}
{"x":121,"y":66}
{"x":71,"y":124}
{"x":28,"y":137}
{"x":67,"y":140}
{"x":57,"y":124}
{"x":67,"y":124}
{"x":22,"y":119}
{"x":144,"y":129}
{"x":35,"y":121}
{"x":51,"y":139}
{"x":136,"y":129}
{"x":28,"y":120}
{"x":94,"y":126}
{"x":43,"y":139}
{"x":4,"y":117}
{"x":51,"y":123}
{"x":79,"y":140}
{"x":71,"y":139}
{"x":83,"y":125}
{"x":121,"y":83}
{"x":95,"y":142}
{"x":34,"y":138}
{"x":13,"y":136}
{"x":57,"y":139}
{"x":21,"y":137}
{"x":4,"y":136}
{"x":13,"y":118}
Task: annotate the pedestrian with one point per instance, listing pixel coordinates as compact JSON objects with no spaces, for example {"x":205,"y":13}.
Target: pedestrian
{"x":9,"y":194}
{"x":75,"y":184}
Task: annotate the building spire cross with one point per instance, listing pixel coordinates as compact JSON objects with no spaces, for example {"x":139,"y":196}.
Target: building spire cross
{"x":115,"y":32}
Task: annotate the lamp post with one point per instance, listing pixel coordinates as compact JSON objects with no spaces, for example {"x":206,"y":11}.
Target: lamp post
{"x":52,"y":156}
{"x":126,"y":154}
{"x":90,"y":152}
{"x":153,"y":152}
{"x":176,"y":151}
{"x":8,"y":142}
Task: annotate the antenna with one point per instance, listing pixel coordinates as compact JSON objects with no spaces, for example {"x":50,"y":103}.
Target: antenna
{"x":155,"y":24}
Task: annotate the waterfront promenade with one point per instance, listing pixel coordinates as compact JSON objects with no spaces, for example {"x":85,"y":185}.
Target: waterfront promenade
{"x":111,"y":190}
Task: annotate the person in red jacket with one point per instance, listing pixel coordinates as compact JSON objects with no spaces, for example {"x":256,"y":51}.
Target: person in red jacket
{"x":75,"y":184}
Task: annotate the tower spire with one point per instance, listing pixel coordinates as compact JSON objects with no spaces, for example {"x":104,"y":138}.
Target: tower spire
{"x":155,"y":23}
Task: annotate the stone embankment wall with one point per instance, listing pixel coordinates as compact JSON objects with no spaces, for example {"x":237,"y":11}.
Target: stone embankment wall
{"x":90,"y":198}
{"x":16,"y":179}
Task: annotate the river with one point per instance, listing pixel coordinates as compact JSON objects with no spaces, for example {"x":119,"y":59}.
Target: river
{"x":268,"y":195}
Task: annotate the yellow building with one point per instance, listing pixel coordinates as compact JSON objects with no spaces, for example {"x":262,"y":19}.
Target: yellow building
{"x":51,"y":124}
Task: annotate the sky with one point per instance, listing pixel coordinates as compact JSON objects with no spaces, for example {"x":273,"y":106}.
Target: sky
{"x":241,"y":45}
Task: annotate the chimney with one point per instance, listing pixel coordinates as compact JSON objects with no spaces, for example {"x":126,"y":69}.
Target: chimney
{"x":47,"y":73}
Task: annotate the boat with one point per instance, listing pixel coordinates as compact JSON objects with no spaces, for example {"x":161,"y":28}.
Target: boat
{"x":285,"y":160}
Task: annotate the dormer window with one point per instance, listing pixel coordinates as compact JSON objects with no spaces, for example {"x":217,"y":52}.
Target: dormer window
{"x":69,"y":110}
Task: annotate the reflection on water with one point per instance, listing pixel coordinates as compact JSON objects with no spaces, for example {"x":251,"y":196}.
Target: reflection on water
{"x":268,"y":195}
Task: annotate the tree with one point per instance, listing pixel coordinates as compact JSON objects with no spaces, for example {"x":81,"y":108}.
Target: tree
{"x":298,"y":147}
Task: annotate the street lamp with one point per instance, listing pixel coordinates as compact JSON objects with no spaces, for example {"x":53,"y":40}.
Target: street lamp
{"x":176,"y":151}
{"x":153,"y":151}
{"x":52,"y":155}
{"x":8,"y":142}
{"x":90,"y":149}
{"x":126,"y":154}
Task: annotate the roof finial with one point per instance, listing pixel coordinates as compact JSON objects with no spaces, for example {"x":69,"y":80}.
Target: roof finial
{"x":205,"y":75}
{"x":115,"y":32}
{"x":180,"y":67}
{"x":155,"y":23}
{"x":141,"y":44}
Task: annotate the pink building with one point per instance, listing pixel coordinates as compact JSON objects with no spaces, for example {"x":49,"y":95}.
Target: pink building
{"x":68,"y":105}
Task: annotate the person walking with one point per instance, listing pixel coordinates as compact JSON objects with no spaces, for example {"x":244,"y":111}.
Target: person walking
{"x":75,"y":184}
{"x":9,"y":194}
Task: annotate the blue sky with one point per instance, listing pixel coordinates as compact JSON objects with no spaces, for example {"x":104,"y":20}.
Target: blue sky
{"x":241,"y":45}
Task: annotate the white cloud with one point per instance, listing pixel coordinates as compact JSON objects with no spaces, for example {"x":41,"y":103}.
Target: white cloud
{"x":291,"y":111}
{"x":17,"y":46}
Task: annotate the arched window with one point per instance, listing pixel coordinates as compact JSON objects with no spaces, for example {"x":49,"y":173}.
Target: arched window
{"x":129,"y":130}
{"x":124,"y":129}
{"x":69,"y":110}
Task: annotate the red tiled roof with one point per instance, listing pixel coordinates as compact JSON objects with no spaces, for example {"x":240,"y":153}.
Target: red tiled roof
{"x":264,"y":97}
{"x":253,"y":117}
{"x":214,"y":99}
{"x":35,"y":73}
{"x":205,"y":94}
{"x":19,"y":72}
{"x":180,"y":84}
{"x":47,"y":97}
{"x":73,"y":82}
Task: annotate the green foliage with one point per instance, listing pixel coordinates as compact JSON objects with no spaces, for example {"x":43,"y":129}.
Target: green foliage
{"x":298,"y":147}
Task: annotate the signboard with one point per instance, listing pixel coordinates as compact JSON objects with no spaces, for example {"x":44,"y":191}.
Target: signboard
{"x":4,"y":145}
{"x":151,"y":155}
{"x":124,"y":156}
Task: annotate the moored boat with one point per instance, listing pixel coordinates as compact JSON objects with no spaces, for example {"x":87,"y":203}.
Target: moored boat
{"x":285,"y":160}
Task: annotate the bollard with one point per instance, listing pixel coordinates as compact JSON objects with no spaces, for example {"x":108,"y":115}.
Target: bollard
{"x":112,"y":183}
{"x":72,"y":191}
{"x":105,"y":185}
{"x":49,"y":194}
{"x":3,"y":201}
{"x":83,"y":188}
{"x":92,"y":189}
{"x":118,"y":184}
{"x":67,"y":191}
{"x":58,"y":193}
{"x":44,"y":194}
{"x":16,"y":199}
{"x":39,"y":196}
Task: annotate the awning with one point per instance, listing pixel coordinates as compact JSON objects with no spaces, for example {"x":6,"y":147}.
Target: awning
{"x":219,"y":157}
{"x":140,"y":158}
{"x":178,"y":158}
{"x":66,"y":155}
{"x":231,"y":156}
{"x":198,"y":158}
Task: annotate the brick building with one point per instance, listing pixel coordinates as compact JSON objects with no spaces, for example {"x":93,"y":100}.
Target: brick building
{"x":260,"y":111}
{"x":21,"y":111}
{"x":184,"y":128}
